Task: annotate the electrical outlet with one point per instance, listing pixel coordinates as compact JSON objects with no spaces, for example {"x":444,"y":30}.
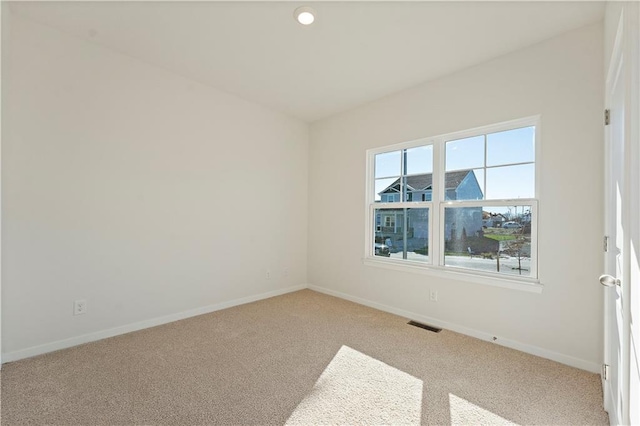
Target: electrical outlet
{"x":433,"y":295}
{"x":268,"y":274}
{"x":79,"y":307}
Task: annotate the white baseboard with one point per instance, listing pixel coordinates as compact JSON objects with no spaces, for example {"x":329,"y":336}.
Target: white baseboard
{"x":92,"y":337}
{"x":523,"y":347}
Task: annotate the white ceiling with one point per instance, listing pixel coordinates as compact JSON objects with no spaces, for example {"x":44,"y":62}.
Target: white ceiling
{"x":354,"y":53}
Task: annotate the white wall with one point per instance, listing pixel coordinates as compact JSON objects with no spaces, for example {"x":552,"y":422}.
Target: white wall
{"x":138,"y":190}
{"x":561,"y":79}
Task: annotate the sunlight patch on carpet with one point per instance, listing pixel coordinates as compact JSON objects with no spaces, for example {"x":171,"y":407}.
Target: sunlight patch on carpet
{"x":464,"y":412}
{"x":358,"y":389}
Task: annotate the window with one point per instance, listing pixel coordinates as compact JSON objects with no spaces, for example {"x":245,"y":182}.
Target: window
{"x":464,"y":202}
{"x":400,"y":177}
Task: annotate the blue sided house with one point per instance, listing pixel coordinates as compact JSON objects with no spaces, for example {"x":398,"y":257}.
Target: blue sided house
{"x":459,"y":185}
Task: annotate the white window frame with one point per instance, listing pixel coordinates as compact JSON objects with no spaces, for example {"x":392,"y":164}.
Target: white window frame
{"x":435,"y":264}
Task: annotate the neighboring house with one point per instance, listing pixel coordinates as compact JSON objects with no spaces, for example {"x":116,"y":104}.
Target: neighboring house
{"x":459,"y":185}
{"x":493,"y":220}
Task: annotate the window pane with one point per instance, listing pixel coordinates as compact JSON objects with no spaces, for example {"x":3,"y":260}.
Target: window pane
{"x":402,"y":234}
{"x":511,"y":182}
{"x":512,"y":146}
{"x":387,"y":189}
{"x":479,"y":175}
{"x":417,"y":186}
{"x":464,"y":185}
{"x":387,"y":164}
{"x":465,"y":153}
{"x":420,"y":160}
{"x":490,"y":239}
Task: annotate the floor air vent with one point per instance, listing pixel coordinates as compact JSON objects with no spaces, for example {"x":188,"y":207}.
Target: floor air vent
{"x":425,"y":326}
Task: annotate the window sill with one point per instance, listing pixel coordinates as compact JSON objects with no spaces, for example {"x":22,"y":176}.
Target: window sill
{"x":523,"y":284}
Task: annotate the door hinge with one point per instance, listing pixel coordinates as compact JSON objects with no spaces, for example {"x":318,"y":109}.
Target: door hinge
{"x":607,"y":117}
{"x":605,"y":244}
{"x":605,"y":371}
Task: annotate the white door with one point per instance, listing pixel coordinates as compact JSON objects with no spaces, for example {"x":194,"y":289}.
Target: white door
{"x":633,"y":291}
{"x":615,"y":255}
{"x":621,"y":216}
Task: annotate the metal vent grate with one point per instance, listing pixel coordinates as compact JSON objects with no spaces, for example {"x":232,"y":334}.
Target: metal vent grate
{"x":425,"y":326}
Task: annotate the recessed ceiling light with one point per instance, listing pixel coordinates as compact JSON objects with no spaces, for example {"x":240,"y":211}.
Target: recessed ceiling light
{"x":305,"y":15}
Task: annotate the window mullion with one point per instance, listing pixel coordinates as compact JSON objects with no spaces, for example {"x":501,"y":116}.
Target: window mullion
{"x":437,"y":182}
{"x":484,"y":171}
{"x":405,"y":221}
{"x":403,"y":197}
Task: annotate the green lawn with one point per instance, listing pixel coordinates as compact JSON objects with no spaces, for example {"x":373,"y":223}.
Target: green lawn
{"x":500,"y":237}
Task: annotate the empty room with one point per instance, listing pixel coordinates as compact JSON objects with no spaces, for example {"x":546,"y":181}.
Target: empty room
{"x":269,"y":213}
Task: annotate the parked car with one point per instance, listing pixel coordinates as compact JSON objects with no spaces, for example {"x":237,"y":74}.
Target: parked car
{"x":511,"y":225}
{"x":381,"y":250}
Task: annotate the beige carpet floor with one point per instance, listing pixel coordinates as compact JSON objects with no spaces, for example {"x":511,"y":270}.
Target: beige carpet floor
{"x":301,"y":358}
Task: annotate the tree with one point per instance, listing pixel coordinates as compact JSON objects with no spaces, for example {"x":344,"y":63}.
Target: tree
{"x":516,"y":250}
{"x":516,"y":246}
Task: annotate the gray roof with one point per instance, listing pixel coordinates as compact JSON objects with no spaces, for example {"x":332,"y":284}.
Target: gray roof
{"x":424,"y":182}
